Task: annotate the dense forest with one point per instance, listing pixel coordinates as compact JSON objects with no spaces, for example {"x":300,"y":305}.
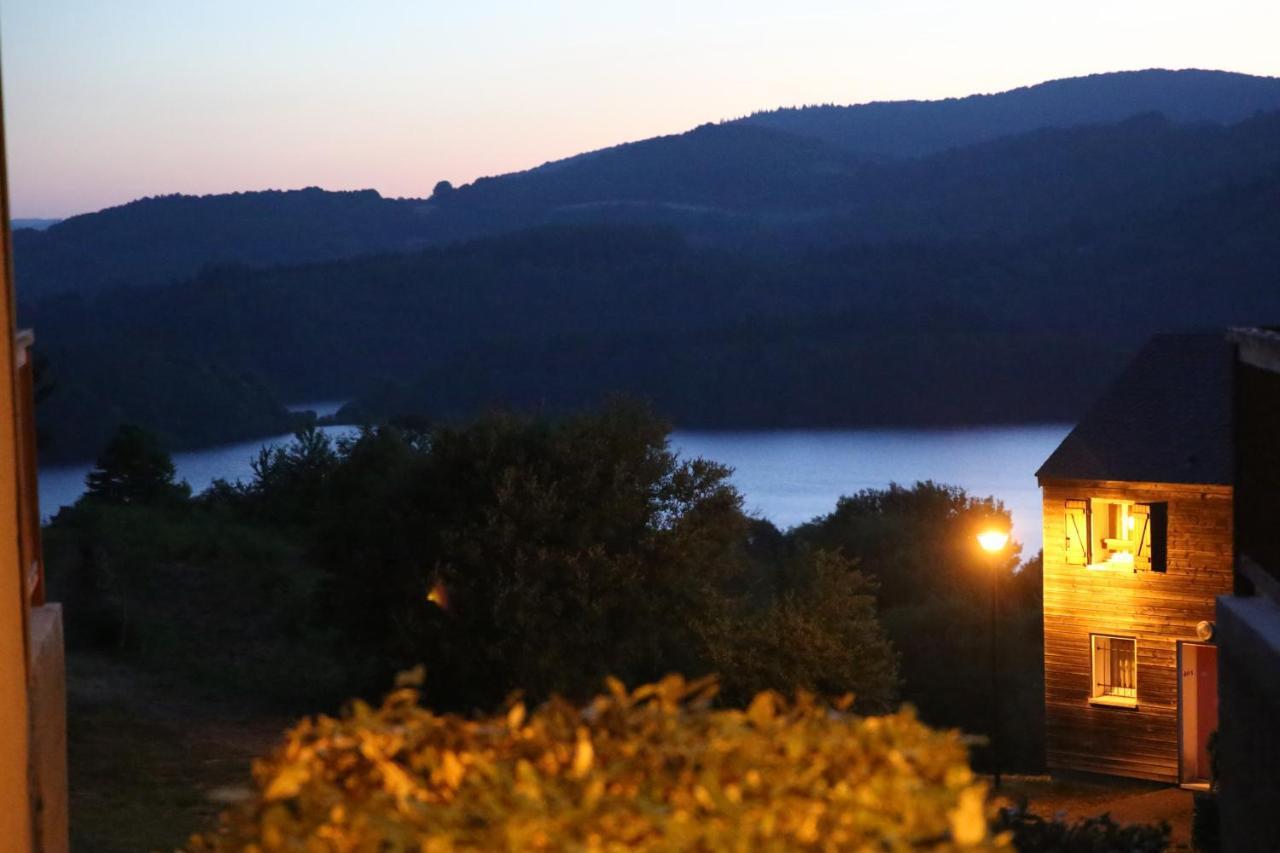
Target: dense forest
{"x":790,"y":269}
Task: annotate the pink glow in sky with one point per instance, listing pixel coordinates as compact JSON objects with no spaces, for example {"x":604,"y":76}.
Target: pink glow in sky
{"x":110,"y":100}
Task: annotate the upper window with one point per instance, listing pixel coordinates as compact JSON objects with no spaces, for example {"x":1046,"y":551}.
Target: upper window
{"x":1116,"y":533}
{"x":1111,"y":531}
{"x":1115,"y":671}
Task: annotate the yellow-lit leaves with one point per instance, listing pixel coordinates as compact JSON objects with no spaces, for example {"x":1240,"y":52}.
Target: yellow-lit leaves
{"x":651,"y":769}
{"x":583,"y":754}
{"x":286,"y":783}
{"x":969,"y":818}
{"x":761,"y":710}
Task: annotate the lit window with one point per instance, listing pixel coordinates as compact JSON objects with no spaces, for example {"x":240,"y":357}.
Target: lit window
{"x":1105,"y":533}
{"x":1115,"y":671}
{"x":1112,"y":527}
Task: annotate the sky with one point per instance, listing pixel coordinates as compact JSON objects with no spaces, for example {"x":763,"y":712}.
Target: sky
{"x":111,"y":100}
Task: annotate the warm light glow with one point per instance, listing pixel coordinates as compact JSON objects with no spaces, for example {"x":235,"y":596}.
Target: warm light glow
{"x":439,"y":596}
{"x":993,"y":540}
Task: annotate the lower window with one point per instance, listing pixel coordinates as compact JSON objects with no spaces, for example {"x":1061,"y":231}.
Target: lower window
{"x":1115,"y":671}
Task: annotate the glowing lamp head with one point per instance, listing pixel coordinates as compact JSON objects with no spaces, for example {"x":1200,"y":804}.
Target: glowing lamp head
{"x":993,"y":540}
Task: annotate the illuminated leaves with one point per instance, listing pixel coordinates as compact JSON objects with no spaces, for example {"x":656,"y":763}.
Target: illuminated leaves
{"x":651,"y":769}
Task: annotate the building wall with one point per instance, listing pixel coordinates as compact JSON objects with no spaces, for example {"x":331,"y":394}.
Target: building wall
{"x":15,"y":794}
{"x":1158,"y":609}
{"x":1249,"y":746}
{"x":47,"y":697}
{"x":1248,"y":754}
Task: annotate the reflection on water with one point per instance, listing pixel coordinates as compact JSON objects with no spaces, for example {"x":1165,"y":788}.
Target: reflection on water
{"x":787,"y":476}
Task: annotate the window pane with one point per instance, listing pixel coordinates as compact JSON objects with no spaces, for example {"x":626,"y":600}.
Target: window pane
{"x":1115,"y":668}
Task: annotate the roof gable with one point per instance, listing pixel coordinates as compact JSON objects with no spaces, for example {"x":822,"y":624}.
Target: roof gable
{"x":1165,"y":419}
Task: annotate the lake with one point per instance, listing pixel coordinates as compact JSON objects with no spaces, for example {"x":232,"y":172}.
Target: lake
{"x":787,"y":476}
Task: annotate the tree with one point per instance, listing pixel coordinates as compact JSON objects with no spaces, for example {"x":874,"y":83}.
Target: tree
{"x":569,"y":550}
{"x":520,"y":553}
{"x":935,"y":601}
{"x":135,"y":469}
{"x":818,"y":632}
{"x":289,"y":480}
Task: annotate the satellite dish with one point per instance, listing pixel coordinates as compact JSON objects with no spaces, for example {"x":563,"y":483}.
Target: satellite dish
{"x":1204,"y":630}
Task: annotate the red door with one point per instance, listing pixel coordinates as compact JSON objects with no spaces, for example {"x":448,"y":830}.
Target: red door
{"x":1198,"y":708}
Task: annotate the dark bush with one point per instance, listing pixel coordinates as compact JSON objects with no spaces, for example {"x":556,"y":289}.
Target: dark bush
{"x":1035,"y":834}
{"x":1205,"y":826}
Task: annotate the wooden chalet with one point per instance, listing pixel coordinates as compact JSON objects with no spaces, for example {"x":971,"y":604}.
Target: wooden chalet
{"x":1137,"y":545}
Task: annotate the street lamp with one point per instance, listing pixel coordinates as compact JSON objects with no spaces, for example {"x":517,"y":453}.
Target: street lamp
{"x":993,"y":542}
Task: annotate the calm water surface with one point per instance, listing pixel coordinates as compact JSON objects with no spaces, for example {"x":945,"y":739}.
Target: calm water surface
{"x":787,"y":476}
{"x":791,"y":476}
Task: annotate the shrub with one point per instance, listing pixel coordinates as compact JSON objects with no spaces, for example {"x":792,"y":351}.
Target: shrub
{"x":1206,"y":823}
{"x":1035,"y":834}
{"x":210,"y":601}
{"x":654,"y":768}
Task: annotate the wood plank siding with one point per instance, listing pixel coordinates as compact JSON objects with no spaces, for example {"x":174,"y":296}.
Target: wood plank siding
{"x":1158,"y":609}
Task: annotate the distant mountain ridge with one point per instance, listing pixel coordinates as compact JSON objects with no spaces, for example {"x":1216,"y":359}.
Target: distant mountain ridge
{"x":163,"y":239}
{"x":558,"y":317}
{"x":743,"y":183}
{"x":34,"y":224}
{"x":898,"y":129}
{"x":740,"y":274}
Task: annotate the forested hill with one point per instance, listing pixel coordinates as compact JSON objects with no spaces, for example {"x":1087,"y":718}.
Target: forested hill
{"x":737,"y":275}
{"x":896,"y":129}
{"x":155,"y":241}
{"x":1028,"y":159}
{"x":559,"y":317}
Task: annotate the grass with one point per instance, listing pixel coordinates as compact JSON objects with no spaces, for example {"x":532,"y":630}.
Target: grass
{"x":147,"y":768}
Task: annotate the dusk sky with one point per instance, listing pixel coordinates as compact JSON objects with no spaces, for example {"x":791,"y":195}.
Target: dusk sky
{"x":111,"y":100}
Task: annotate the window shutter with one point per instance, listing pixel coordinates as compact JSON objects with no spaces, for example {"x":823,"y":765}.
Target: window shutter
{"x":1076,"y":546}
{"x":1159,"y":536}
{"x":1141,"y":536}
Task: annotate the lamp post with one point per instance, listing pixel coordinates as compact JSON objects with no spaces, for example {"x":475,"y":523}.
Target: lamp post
{"x":993,"y":542}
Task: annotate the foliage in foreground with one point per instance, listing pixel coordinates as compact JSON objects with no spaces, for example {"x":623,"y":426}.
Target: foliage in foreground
{"x":654,"y":768}
{"x":1032,"y":832}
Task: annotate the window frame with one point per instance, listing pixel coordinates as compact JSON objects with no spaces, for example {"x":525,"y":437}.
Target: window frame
{"x":1100,"y":508}
{"x":1143,"y":521}
{"x":1108,"y":700}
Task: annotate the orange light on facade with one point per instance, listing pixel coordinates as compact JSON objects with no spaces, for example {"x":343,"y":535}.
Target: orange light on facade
{"x":993,"y":540}
{"x":439,"y":596}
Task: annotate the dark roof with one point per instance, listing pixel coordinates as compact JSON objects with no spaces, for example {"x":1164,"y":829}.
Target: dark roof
{"x":1166,"y":419}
